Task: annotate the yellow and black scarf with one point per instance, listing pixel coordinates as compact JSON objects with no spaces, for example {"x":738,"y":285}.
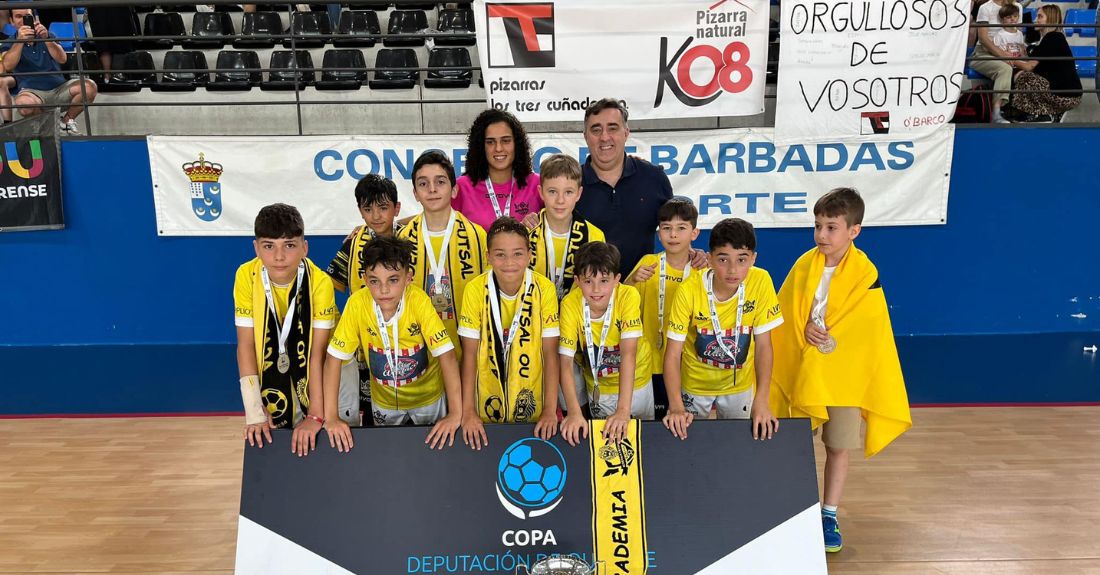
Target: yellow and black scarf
{"x":618,"y":500}
{"x":284,"y":394}
{"x":514,"y":396}
{"x":465,"y":254}
{"x":578,"y":236}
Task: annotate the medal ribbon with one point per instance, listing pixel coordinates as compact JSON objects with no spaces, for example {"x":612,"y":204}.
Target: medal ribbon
{"x":709,"y":283}
{"x":436,"y":263}
{"x":284,"y":330}
{"x":595,"y":358}
{"x":493,"y":198}
{"x":661,"y":293}
{"x":390,"y":351}
{"x":556,"y":272}
{"x":494,"y":310}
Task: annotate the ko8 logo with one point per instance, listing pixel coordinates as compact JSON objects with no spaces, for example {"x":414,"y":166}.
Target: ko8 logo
{"x":729,"y":72}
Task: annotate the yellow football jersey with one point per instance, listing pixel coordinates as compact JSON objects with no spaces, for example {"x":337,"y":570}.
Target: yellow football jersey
{"x":649,"y":291}
{"x":417,"y":379}
{"x":705,"y":369}
{"x":323,"y":299}
{"x":626,"y":321}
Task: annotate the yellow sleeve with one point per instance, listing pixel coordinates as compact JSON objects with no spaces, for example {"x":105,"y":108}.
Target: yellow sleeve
{"x":630,"y":309}
{"x":345,"y":340}
{"x":569,"y":337}
{"x":679,"y":317}
{"x":595,"y":234}
{"x":324,"y":301}
{"x":769,"y":315}
{"x":469,"y":317}
{"x":242,"y":297}
{"x":431,"y":327}
{"x":549,"y":308}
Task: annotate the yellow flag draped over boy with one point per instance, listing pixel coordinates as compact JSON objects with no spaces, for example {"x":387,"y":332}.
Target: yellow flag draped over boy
{"x":863,"y":371}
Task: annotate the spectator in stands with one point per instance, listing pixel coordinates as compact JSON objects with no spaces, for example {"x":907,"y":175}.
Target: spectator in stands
{"x":49,"y":89}
{"x":7,"y":84}
{"x":1009,"y":38}
{"x":622,"y":194}
{"x":997,"y":70}
{"x":498,"y":179}
{"x":1037,"y":79}
{"x":113,"y":21}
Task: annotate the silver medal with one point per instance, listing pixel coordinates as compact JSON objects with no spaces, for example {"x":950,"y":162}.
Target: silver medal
{"x":440,"y":302}
{"x":284,"y":363}
{"x":829,"y":346}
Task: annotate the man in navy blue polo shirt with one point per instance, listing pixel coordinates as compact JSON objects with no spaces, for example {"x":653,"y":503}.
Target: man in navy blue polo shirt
{"x":621,"y":193}
{"x":49,"y":89}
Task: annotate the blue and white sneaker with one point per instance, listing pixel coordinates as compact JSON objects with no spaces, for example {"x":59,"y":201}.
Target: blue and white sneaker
{"x":833,"y":540}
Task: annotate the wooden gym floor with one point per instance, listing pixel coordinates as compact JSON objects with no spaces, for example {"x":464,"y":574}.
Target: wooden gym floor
{"x":967,"y":491}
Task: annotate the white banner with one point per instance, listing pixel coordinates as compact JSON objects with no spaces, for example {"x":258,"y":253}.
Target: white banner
{"x":864,"y":68}
{"x":734,"y":172}
{"x":546,"y":61}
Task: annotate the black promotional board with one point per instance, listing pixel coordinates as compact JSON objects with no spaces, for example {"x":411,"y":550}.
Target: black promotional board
{"x":717,"y":502}
{"x":30,"y":175}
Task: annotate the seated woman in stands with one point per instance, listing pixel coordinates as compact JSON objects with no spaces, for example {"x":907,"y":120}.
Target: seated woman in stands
{"x":1048,"y":88}
{"x":498,"y":179}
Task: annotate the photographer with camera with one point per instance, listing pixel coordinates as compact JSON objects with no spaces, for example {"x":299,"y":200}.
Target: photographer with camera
{"x":50,"y":89}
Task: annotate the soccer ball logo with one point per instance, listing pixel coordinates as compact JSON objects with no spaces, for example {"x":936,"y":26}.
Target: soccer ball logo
{"x":275,"y":401}
{"x":530,"y":478}
{"x":494,"y":409}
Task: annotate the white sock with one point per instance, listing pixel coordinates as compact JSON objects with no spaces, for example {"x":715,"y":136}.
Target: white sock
{"x":829,"y":508}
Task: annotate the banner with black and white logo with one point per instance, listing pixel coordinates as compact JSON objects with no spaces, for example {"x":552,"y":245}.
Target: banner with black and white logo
{"x":30,"y":175}
{"x":546,"y":61}
{"x":867,"y":68}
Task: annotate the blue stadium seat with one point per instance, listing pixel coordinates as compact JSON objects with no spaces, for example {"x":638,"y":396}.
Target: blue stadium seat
{"x":240,"y":70}
{"x":130,"y":72}
{"x":208,"y":30}
{"x":66,"y":30}
{"x":404,"y":23}
{"x":970,"y":72}
{"x":309,"y":30}
{"x":357,"y":29}
{"x":173,"y":79}
{"x":289,"y":70}
{"x":385,"y":77}
{"x":343,"y":79}
{"x":259,"y":24}
{"x":1085,"y":68}
{"x":162,"y":24}
{"x":445,"y":75}
{"x":457,"y":22}
{"x":1081,"y":22}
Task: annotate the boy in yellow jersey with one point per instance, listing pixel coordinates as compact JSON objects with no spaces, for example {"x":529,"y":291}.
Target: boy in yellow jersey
{"x":376,"y":198}
{"x":560,"y":231}
{"x":658,"y":277}
{"x":836,"y":362}
{"x":450,"y":249}
{"x":601,"y":330}
{"x":509,"y":330}
{"x":414,"y":372}
{"x":719,"y":349}
{"x":285,"y":309}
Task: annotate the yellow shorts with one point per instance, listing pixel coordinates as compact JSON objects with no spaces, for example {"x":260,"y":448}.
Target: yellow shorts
{"x":842,"y":429}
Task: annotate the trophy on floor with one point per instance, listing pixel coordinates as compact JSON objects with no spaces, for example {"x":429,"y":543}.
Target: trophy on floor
{"x":558,"y":565}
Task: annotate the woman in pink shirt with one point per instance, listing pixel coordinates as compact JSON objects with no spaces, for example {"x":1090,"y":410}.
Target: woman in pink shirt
{"x":498,"y":179}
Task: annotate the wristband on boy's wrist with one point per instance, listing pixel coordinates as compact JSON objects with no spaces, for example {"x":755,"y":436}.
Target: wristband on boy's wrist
{"x":320,"y":420}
